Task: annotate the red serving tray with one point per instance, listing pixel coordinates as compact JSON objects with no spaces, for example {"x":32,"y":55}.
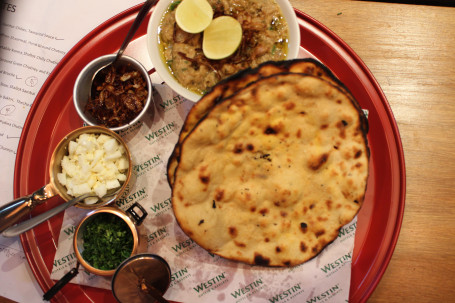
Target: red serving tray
{"x":52,"y":116}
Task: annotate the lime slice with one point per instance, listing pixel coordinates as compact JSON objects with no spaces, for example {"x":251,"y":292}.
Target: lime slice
{"x":193,"y":16}
{"x":221,"y":38}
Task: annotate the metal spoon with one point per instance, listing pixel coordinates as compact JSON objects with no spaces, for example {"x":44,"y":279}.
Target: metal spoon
{"x":99,"y":75}
{"x":31,"y":223}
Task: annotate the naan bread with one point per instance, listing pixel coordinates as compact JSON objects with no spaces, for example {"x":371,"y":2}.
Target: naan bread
{"x":233,"y":84}
{"x":270,"y":174}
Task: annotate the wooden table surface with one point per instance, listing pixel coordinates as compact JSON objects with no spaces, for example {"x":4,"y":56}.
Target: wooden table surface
{"x":410,"y":49}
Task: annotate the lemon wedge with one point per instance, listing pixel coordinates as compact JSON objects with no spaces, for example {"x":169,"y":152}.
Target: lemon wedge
{"x":193,"y":16}
{"x":221,"y":38}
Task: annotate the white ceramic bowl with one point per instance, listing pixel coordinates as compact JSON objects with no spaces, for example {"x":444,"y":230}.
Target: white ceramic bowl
{"x":83,"y":82}
{"x":161,"y":67}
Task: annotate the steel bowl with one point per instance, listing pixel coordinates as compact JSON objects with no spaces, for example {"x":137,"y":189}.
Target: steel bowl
{"x":83,"y":84}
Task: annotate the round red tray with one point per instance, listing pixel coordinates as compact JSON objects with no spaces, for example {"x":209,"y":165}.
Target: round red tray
{"x":52,"y":116}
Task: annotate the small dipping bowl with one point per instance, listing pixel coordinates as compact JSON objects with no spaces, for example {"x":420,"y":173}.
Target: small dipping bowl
{"x":137,"y":276}
{"x":12,"y":212}
{"x":133,"y":217}
{"x":83,"y":85}
{"x":62,"y":149}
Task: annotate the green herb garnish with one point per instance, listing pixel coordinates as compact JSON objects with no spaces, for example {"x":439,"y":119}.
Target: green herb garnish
{"x":273,"y":49}
{"x":174,"y":5}
{"x":108,"y":241}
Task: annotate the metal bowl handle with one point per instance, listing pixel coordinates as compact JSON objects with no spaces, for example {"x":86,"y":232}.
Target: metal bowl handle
{"x":14,"y":211}
{"x":137,"y":219}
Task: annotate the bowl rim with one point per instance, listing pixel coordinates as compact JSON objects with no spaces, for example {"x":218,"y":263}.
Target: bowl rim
{"x":62,"y":148}
{"x":101,"y":61}
{"x":160,"y":67}
{"x":115,"y":212}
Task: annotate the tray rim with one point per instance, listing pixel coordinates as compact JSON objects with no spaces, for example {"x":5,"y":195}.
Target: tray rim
{"x":33,"y":254}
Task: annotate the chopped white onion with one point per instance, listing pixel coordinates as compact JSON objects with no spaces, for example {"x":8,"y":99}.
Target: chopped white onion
{"x":95,"y":163}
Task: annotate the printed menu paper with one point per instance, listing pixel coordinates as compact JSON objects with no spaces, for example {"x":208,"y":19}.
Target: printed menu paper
{"x":198,"y":276}
{"x":34,"y":37}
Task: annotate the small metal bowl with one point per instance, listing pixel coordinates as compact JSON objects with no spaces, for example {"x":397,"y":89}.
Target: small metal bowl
{"x":16,"y":210}
{"x":131,"y":217}
{"x":82,"y":87}
{"x":62,"y":149}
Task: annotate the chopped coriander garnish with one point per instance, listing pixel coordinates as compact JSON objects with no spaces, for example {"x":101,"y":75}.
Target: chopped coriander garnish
{"x":273,"y":49}
{"x":108,"y":241}
{"x":174,"y":5}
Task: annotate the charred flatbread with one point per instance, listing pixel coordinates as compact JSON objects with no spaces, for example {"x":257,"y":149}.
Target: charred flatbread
{"x":233,"y":84}
{"x":270,"y":174}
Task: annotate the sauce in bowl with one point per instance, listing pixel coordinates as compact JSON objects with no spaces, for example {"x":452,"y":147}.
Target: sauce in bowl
{"x":265,"y":38}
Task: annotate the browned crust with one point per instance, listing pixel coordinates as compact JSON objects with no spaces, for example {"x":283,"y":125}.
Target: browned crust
{"x":258,"y":258}
{"x":229,"y":86}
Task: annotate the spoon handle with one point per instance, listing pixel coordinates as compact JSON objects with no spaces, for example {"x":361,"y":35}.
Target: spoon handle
{"x":31,"y":223}
{"x":14,"y":211}
{"x":137,"y":22}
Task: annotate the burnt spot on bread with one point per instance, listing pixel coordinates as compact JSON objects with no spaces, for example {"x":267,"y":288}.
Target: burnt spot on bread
{"x":314,"y":249}
{"x":266,"y":240}
{"x":214,"y":204}
{"x":200,"y":222}
{"x":250,"y":147}
{"x":270,"y":131}
{"x":319,"y":233}
{"x":312,"y":205}
{"x":204,"y":179}
{"x":335,"y":147}
{"x":266,"y":157}
{"x":321,"y":219}
{"x":263,"y":211}
{"x":329,"y":204}
{"x":324,"y":126}
{"x":278,"y":249}
{"x":299,"y":133}
{"x":219,"y":194}
{"x":358,"y":154}
{"x":239,"y":244}
{"x":303,"y":227}
{"x":303,"y":113}
{"x":253,"y":209}
{"x":283,"y":214}
{"x":341,"y":125}
{"x":317,"y":162}
{"x":232,"y":231}
{"x":303,"y":247}
{"x":238,"y":148}
{"x":261,"y":260}
{"x":289,"y":105}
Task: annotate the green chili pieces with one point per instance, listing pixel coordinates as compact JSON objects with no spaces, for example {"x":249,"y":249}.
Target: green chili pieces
{"x":108,"y":241}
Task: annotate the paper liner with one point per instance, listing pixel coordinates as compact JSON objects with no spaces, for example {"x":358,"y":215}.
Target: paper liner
{"x":198,"y":276}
